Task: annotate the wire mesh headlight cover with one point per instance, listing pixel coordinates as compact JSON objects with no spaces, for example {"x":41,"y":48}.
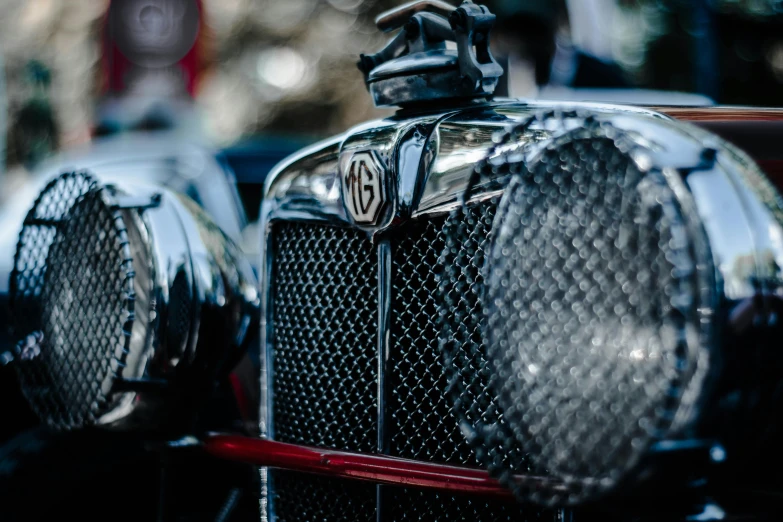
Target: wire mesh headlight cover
{"x":602,"y":300}
{"x":105,"y":295}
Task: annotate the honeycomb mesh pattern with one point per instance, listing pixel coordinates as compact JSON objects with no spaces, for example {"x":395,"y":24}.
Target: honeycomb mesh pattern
{"x":73,"y":301}
{"x":468,"y":233}
{"x":299,"y":497}
{"x":325,"y":357}
{"x":410,"y":504}
{"x":423,"y":426}
{"x":592,"y":319}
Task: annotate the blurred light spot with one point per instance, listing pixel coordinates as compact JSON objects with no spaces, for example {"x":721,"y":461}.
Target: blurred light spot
{"x":717,"y":453}
{"x":37,"y":13}
{"x":230,"y":107}
{"x":775,"y":60}
{"x":281,"y":67}
{"x":284,"y":15}
{"x":637,"y":355}
{"x":351,"y":6}
{"x":337,"y":21}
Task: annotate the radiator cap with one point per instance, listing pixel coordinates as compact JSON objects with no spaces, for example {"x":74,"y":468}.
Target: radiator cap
{"x":417,"y":65}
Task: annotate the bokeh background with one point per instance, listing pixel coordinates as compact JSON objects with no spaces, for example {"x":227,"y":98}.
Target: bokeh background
{"x":286,"y":69}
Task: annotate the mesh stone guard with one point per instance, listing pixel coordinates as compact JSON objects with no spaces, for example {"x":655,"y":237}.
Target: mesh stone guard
{"x":581,"y":346}
{"x":73,"y":298}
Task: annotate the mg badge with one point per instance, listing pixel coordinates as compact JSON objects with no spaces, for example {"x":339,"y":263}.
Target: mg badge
{"x":363,"y":187}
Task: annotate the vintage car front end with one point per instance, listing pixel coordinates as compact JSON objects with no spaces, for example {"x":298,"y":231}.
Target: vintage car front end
{"x":554,"y":294}
{"x":514,"y":310}
{"x":475,"y":309}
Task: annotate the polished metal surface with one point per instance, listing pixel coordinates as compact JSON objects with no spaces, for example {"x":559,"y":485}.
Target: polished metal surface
{"x":397,"y":17}
{"x":436,"y":162}
{"x":191,"y":316}
{"x":416,"y":66}
{"x":74,"y":295}
{"x":165,"y":158}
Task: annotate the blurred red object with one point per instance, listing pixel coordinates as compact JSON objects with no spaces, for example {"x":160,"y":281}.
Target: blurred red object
{"x":172,"y":23}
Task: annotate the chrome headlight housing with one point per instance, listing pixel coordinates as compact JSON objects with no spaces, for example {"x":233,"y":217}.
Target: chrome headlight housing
{"x":127,"y":301}
{"x":627,"y":305}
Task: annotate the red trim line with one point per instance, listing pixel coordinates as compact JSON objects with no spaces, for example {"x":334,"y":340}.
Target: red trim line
{"x":375,"y":468}
{"x":723,"y":114}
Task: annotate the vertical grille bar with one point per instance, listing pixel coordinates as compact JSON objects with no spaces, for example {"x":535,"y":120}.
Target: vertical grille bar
{"x":384,"y":318}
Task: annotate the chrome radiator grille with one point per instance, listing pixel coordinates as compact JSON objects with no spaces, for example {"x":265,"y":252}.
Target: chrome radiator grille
{"x":422,"y":425}
{"x":324,"y":312}
{"x":325,"y":355}
{"x":299,"y":497}
{"x":409,"y":504}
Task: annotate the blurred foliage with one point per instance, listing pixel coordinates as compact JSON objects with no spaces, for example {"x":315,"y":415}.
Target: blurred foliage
{"x":285,"y":66}
{"x":288,"y":66}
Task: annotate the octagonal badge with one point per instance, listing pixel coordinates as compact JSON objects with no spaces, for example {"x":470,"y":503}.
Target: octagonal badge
{"x":363,"y":187}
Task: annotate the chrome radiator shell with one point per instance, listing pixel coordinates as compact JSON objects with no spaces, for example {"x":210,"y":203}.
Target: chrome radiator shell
{"x":431,"y":162}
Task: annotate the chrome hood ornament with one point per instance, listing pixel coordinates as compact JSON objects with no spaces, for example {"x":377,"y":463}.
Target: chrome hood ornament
{"x":417,"y":66}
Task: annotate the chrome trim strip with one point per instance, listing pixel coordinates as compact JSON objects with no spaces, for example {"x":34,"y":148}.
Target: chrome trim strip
{"x":384,"y":324}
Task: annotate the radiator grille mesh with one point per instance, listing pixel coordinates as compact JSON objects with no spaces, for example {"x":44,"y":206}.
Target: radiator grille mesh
{"x":422,"y":423}
{"x":408,"y":504}
{"x":439,"y":372}
{"x":299,"y":497}
{"x":324,"y":311}
{"x":468,"y":232}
